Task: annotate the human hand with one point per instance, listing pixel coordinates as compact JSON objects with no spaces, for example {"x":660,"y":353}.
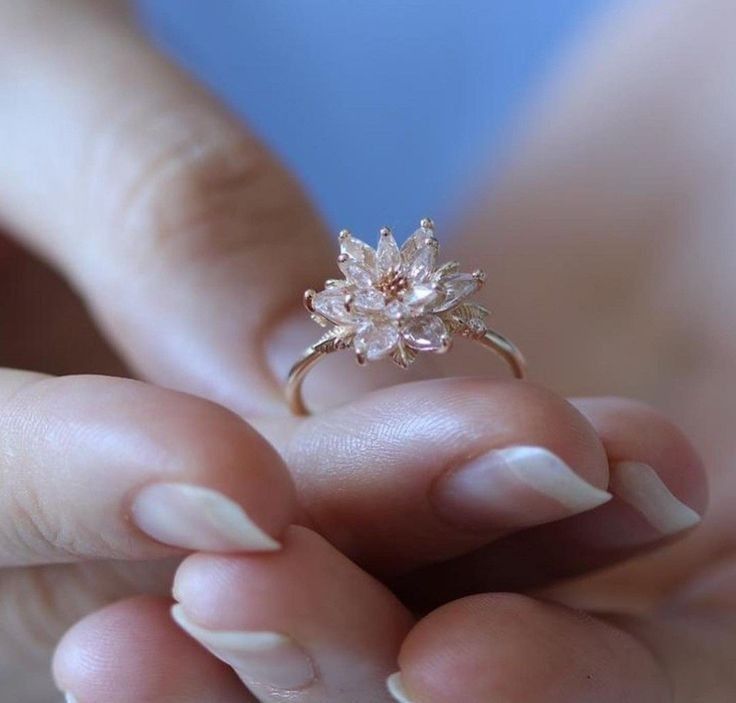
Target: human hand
{"x":216,"y":372}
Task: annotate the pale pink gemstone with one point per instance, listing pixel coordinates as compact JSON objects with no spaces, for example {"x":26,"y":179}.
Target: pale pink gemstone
{"x":457,"y":287}
{"x":376,"y":340}
{"x":330,"y":303}
{"x":427,"y":333}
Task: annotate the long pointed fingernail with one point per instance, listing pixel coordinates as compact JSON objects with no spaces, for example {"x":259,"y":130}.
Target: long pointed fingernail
{"x":639,"y":486}
{"x":514,"y":487}
{"x":197,"y":518}
{"x":266,"y":658}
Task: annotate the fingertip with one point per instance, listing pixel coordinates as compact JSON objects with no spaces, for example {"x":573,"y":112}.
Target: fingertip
{"x":131,"y":650}
{"x":508,"y":647}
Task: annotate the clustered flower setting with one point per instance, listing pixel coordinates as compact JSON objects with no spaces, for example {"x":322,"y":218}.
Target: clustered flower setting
{"x":394,"y":302}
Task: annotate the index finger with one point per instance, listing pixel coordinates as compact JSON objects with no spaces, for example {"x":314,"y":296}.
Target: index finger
{"x":187,"y":237}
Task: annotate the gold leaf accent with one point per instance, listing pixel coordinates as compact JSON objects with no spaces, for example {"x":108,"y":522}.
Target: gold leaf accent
{"x":337,"y":338}
{"x":403,"y":356}
{"x":447,"y":269}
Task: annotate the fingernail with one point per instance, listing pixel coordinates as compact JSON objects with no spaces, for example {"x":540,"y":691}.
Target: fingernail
{"x":514,"y":487}
{"x":69,"y":698}
{"x":396,"y":688}
{"x":639,"y":486}
{"x":197,"y":518}
{"x":266,"y":658}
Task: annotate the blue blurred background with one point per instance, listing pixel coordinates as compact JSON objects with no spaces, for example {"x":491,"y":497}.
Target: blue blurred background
{"x":387,"y":109}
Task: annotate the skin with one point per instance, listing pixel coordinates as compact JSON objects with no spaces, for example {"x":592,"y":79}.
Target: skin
{"x":160,"y":209}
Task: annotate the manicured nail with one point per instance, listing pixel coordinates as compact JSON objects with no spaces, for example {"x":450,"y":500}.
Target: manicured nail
{"x":197,"y":518}
{"x":514,"y":487}
{"x":265,"y":658}
{"x":396,"y":688}
{"x":69,"y":698}
{"x":639,"y":486}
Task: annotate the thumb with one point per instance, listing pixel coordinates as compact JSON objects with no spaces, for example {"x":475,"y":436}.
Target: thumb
{"x":186,"y":236}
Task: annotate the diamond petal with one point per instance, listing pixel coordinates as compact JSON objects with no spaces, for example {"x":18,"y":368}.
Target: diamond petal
{"x":358,"y":250}
{"x":388,"y":255}
{"x":397,"y":310}
{"x":457,"y":287}
{"x":376,"y":341}
{"x":357,"y":274}
{"x":423,"y":294}
{"x":330,"y":304}
{"x":422,"y":264}
{"x":427,"y":333}
{"x":417,"y":240}
{"x":369,"y":300}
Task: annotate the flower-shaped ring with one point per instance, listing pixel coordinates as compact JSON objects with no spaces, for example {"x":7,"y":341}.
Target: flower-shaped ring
{"x":395,"y":303}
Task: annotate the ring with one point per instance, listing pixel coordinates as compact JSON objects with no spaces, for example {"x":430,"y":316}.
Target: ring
{"x":395,"y":303}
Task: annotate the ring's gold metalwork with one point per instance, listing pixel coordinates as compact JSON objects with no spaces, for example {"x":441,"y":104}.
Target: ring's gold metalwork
{"x":492,"y":340}
{"x":396,"y":303}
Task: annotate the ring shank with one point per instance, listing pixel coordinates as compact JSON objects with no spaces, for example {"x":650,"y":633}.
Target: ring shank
{"x":494,"y":341}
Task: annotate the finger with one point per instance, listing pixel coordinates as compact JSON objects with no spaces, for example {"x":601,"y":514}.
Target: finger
{"x":305,"y":624}
{"x":660,"y":492}
{"x":131,"y":651}
{"x":509,"y":647}
{"x":95,"y":467}
{"x":187,"y":237}
{"x":420,"y":472}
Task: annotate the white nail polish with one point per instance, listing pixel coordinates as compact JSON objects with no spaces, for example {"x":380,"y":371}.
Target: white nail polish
{"x":396,"y":688}
{"x":514,"y":487}
{"x":266,"y":658}
{"x":69,"y":698}
{"x":197,"y":518}
{"x":639,"y":486}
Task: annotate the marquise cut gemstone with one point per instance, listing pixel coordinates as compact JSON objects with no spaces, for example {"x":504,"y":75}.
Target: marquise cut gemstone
{"x":417,"y":240}
{"x":357,"y":274}
{"x":457,"y":287}
{"x":423,"y":263}
{"x":397,"y":310}
{"x":330,"y":303}
{"x":377,"y":340}
{"x":369,"y":300}
{"x":358,"y":250}
{"x":388,"y":255}
{"x":423,"y":294}
{"x":427,"y":333}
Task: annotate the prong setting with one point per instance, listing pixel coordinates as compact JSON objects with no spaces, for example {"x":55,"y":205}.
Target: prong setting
{"x":308,"y":299}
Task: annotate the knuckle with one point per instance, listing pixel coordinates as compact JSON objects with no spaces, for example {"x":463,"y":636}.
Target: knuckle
{"x":200,"y":186}
{"x":38,"y":531}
